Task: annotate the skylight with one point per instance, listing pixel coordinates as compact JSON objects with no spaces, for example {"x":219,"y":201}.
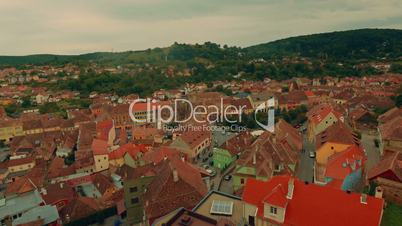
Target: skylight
{"x":221,"y":207}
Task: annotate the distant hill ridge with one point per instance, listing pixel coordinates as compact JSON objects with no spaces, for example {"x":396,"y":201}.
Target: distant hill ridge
{"x":363,"y":44}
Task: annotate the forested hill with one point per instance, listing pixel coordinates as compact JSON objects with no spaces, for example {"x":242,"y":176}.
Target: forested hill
{"x":343,"y":45}
{"x":354,"y":45}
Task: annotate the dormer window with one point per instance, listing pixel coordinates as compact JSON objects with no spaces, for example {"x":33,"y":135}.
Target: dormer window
{"x":273,"y":210}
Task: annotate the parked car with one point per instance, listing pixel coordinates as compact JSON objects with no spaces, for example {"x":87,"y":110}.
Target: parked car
{"x":312,"y":154}
{"x":211,"y":172}
{"x":205,"y":166}
{"x":227,"y":177}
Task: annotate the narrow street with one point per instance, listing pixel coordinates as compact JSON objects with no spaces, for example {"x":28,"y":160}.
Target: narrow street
{"x":373,"y":153}
{"x":305,"y":170}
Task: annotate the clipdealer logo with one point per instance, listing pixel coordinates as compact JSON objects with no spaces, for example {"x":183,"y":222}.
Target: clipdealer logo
{"x":143,"y":111}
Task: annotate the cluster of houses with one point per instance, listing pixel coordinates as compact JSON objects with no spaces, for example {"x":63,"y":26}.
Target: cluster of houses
{"x":98,"y":163}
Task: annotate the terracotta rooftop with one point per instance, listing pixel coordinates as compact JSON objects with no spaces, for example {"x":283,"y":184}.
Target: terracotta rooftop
{"x":194,"y":138}
{"x":392,"y":130}
{"x":99,"y":147}
{"x":239,"y":143}
{"x":389,"y":167}
{"x":337,"y":133}
{"x":164,"y":194}
{"x":389,"y":115}
{"x":325,"y":202}
{"x":344,"y":163}
{"x":19,"y":186}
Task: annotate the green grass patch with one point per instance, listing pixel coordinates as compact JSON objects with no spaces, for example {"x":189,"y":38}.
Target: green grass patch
{"x":392,"y":215}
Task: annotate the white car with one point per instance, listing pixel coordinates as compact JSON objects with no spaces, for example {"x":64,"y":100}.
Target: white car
{"x":211,"y":172}
{"x":312,"y":154}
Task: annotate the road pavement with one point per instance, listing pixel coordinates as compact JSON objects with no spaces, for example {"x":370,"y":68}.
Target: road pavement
{"x":373,"y":153}
{"x":305,"y":169}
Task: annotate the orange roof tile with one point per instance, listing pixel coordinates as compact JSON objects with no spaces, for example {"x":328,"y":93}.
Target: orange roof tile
{"x":325,"y":201}
{"x":99,"y":147}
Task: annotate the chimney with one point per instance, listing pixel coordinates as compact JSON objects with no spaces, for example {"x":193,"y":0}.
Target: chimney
{"x":175,"y":175}
{"x":44,"y":191}
{"x":378,"y":192}
{"x":291,"y":187}
{"x":254,"y":159}
{"x":363,"y":199}
{"x":61,"y":185}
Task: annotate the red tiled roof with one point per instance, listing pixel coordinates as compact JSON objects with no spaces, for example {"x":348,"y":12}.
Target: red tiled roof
{"x":103,"y":128}
{"x":165,"y":195}
{"x":286,"y":133}
{"x":337,"y":133}
{"x":344,"y":163}
{"x":320,"y":112}
{"x":58,"y":192}
{"x":392,"y":163}
{"x":56,"y":167}
{"x":130,"y":148}
{"x":194,"y":138}
{"x":309,"y":93}
{"x":156,"y":155}
{"x":19,"y":186}
{"x":99,"y":147}
{"x":20,"y":161}
{"x":80,"y":207}
{"x":389,"y":115}
{"x":239,"y":143}
{"x":316,"y":205}
{"x":38,"y":222}
{"x":144,"y":106}
{"x":392,"y":130}
{"x":102,"y":182}
{"x":277,"y":197}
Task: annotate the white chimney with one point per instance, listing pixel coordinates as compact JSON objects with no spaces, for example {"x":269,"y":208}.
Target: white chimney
{"x":44,"y":191}
{"x":175,"y":175}
{"x":363,"y":199}
{"x":291,"y":187}
{"x":254,"y":159}
{"x":378,"y":192}
{"x":61,"y":185}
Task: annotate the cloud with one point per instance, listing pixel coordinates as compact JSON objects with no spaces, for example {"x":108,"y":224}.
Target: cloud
{"x":72,"y":27}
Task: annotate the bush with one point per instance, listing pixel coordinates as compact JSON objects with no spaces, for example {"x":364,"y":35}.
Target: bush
{"x":98,"y":217}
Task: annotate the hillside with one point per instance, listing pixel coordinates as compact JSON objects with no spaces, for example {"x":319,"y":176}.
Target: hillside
{"x":364,"y":44}
{"x":344,"y":45}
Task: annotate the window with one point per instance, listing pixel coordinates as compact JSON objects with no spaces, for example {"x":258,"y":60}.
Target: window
{"x":133,"y":189}
{"x":251,"y":220}
{"x":135,"y":200}
{"x":273,"y":210}
{"x":221,"y":207}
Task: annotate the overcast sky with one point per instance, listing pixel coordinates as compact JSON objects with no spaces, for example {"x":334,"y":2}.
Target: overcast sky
{"x":81,"y":26}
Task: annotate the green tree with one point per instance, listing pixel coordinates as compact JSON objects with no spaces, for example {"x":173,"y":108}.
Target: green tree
{"x":26,"y":102}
